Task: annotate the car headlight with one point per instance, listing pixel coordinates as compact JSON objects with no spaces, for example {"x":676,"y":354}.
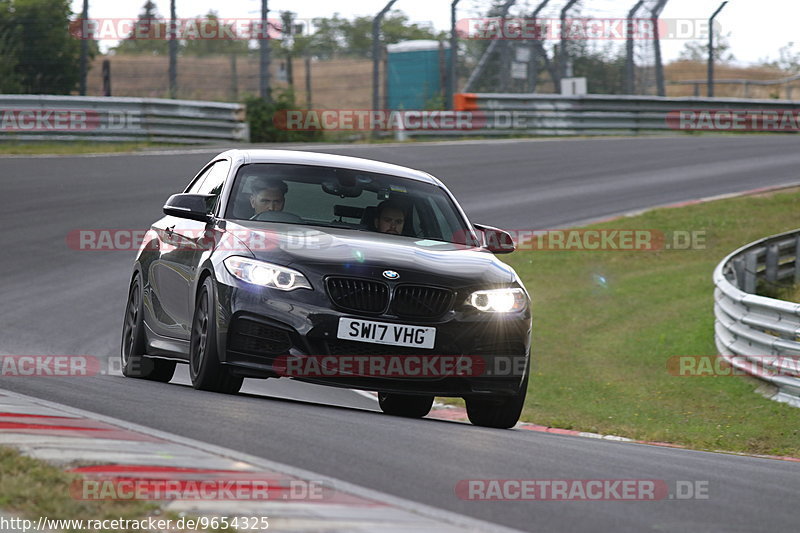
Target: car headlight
{"x":266,"y":274}
{"x":498,"y":300}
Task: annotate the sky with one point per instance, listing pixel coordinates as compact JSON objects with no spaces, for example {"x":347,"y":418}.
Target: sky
{"x":757,"y":29}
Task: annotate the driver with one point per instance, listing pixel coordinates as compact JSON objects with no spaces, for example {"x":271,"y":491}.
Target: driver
{"x":268,"y":196}
{"x":390,"y":217}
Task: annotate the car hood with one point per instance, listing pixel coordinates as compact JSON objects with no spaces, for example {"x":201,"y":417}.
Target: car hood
{"x":368,"y":254}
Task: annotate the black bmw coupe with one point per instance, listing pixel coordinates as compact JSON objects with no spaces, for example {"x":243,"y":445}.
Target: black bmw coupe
{"x":333,"y":270}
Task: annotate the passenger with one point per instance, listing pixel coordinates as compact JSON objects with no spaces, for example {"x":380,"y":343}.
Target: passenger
{"x":390,"y":217}
{"x":268,"y":196}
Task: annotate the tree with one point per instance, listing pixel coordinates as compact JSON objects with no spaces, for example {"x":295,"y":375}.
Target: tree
{"x":788,"y":59}
{"x":698,"y":51}
{"x":194,"y":43}
{"x":395,"y":28}
{"x":39,"y":54}
{"x":339,"y":36}
{"x":326,"y":41}
{"x":148,"y":36}
{"x":10,"y":82}
{"x":602,"y":68}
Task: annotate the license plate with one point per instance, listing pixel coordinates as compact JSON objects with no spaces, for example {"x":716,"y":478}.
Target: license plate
{"x":384,"y":333}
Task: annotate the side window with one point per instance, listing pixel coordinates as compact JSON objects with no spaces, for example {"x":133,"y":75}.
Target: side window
{"x":212,"y":180}
{"x":199,"y":181}
{"x":215,"y":178}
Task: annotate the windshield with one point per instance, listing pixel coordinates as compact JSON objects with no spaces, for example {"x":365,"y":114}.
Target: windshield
{"x":344,"y":198}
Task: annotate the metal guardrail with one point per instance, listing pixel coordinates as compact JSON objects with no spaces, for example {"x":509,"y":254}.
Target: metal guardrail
{"x":755,"y":334}
{"x":549,"y":114}
{"x":51,"y":118}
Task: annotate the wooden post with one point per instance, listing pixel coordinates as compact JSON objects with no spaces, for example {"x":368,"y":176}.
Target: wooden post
{"x":308,"y":82}
{"x":234,"y":79}
{"x":106,"y":77}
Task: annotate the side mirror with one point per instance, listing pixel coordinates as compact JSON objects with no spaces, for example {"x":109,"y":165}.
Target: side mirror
{"x":192,"y":206}
{"x":496,"y":240}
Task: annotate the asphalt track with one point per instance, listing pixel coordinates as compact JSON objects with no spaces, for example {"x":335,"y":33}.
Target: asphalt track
{"x":55,"y":300}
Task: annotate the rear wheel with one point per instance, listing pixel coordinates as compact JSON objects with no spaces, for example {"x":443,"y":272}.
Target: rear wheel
{"x":407,"y":405}
{"x":135,"y":363}
{"x":501,"y":412}
{"x":205,"y":369}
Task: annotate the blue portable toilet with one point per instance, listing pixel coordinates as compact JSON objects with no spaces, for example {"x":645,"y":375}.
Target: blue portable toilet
{"x":415,"y":71}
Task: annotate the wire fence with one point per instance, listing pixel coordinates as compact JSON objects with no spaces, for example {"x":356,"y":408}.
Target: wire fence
{"x":509,"y":65}
{"x":740,"y":83}
{"x":337,"y":83}
{"x":571,"y":38}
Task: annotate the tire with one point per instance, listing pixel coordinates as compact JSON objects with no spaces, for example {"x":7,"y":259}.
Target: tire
{"x":205,"y":369}
{"x":500,"y":412}
{"x":405,"y":405}
{"x":135,"y":363}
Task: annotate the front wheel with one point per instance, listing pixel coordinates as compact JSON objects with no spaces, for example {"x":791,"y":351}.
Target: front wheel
{"x":406,"y":405}
{"x":501,"y":412}
{"x":135,"y":363}
{"x":205,"y":369}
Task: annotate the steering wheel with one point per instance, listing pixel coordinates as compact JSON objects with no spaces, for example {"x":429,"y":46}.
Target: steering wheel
{"x":276,"y":216}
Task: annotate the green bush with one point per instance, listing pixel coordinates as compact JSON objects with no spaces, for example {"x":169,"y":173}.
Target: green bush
{"x":266,"y":118}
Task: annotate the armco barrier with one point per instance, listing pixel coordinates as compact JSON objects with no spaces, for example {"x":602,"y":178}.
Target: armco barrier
{"x":50,"y":118}
{"x":756,"y":334}
{"x":549,"y":114}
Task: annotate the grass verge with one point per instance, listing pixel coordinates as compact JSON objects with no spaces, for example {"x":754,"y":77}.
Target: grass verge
{"x":790,"y":294}
{"x":32,"y":488}
{"x":72,"y":147}
{"x":607,"y":322}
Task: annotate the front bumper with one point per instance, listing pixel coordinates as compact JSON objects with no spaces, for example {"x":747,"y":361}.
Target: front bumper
{"x":260,"y":329}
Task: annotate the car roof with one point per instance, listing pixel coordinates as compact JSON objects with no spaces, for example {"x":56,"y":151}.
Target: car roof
{"x":298,"y":157}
